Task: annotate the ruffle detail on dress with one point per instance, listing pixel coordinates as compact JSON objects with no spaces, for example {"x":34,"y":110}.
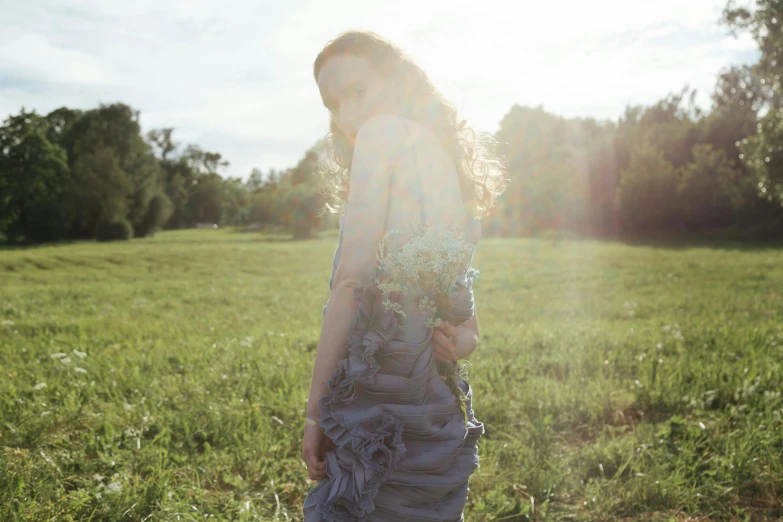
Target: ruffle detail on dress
{"x":367,"y":452}
{"x":369,"y":445}
{"x":356,"y":471}
{"x":370,"y":330}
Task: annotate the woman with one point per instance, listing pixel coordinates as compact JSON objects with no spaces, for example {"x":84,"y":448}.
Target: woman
{"x":384,"y":435}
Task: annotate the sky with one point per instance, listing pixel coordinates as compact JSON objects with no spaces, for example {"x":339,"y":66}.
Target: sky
{"x":235,"y":76}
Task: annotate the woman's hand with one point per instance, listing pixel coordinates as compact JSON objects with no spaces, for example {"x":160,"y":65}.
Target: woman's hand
{"x":444,"y":341}
{"x":314,"y":447}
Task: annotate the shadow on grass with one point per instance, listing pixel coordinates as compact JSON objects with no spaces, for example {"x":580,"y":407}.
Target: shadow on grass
{"x":27,"y":245}
{"x":265,"y":235}
{"x":764,"y":237}
{"x":279,"y":234}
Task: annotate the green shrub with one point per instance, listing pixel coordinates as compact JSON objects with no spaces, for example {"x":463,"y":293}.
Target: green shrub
{"x":158,"y":212}
{"x":114,"y":230}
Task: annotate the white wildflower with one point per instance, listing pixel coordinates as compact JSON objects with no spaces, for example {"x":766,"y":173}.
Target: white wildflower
{"x":39,"y":386}
{"x":66,"y":360}
{"x":58,"y":355}
{"x":80,"y":355}
{"x":79,"y":370}
{"x":427,"y":265}
{"x":49,"y":459}
{"x":114,"y":487}
{"x":426,"y":268}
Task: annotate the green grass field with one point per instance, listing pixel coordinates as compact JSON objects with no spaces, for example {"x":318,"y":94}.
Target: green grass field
{"x":166,"y":379}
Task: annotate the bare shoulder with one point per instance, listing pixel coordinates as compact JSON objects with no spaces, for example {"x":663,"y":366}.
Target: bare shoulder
{"x":382,"y":134}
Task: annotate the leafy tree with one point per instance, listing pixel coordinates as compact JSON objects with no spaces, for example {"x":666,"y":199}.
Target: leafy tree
{"x":162,"y":141}
{"x":763,"y":21}
{"x":158,"y":213}
{"x":101,"y":193}
{"x":107,"y":144}
{"x":741,"y":85}
{"x":646,"y":197}
{"x":33,"y":173}
{"x":255,"y":181}
{"x":670,"y":126}
{"x":534,"y":144}
{"x":204,"y":205}
{"x":179,"y":181}
{"x":709,"y":189}
{"x":204,"y":161}
{"x":60,"y":122}
{"x":761,"y":152}
{"x":302,"y":195}
{"x":233,"y":202}
{"x":118,"y":229}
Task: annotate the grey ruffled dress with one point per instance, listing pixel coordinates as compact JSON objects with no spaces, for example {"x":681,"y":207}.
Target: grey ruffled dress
{"x":402,"y":449}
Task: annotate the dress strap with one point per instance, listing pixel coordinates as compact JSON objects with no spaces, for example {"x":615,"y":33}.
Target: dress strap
{"x":420,"y":192}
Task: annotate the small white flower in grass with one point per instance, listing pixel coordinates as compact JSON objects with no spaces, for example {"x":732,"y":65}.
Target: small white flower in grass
{"x":45,"y":413}
{"x":49,"y":459}
{"x":80,"y":355}
{"x":58,"y":355}
{"x":114,"y":487}
{"x":39,"y":386}
{"x":79,"y":370}
{"x":67,"y":360}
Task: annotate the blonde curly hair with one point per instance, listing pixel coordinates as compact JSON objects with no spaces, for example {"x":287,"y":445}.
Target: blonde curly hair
{"x":481,"y":173}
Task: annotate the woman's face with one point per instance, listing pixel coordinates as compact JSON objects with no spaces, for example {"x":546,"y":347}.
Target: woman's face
{"x":352,"y":91}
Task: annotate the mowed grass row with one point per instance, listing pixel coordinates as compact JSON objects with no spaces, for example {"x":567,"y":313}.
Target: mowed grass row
{"x":166,"y":379}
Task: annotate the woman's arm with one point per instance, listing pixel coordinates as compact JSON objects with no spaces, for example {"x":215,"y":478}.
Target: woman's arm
{"x":377,"y":147}
{"x":467,"y":337}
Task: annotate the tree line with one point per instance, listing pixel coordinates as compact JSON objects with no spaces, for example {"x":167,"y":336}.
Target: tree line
{"x":664,"y":169}
{"x":75,"y":174}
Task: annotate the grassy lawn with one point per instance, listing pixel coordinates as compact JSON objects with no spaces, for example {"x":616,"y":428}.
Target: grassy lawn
{"x":166,"y":379}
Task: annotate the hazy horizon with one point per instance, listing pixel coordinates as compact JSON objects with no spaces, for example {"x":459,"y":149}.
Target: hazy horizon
{"x":235,"y":76}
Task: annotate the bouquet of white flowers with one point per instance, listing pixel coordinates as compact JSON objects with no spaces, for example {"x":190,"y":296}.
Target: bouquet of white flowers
{"x":427,"y":267}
